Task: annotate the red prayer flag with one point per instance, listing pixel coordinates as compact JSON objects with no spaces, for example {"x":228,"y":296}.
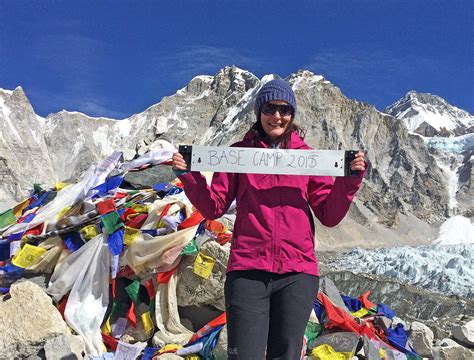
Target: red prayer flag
{"x":126,"y":272}
{"x":113,"y":288}
{"x":120,"y":195}
{"x":110,"y":342}
{"x":215,"y":226}
{"x":165,"y":276}
{"x":137,"y":222}
{"x":191,"y":221}
{"x":106,"y":206}
{"x":211,"y":325}
{"x":150,"y":288}
{"x":37,"y":230}
{"x":62,"y":306}
{"x":224,"y":238}
{"x":364,"y":299}
{"x":131,"y":315}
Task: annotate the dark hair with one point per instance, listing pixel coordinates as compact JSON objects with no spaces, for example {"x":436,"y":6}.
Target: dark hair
{"x":260,"y":134}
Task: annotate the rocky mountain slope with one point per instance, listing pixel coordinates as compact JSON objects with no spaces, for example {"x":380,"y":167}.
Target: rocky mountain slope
{"x":404,"y":196}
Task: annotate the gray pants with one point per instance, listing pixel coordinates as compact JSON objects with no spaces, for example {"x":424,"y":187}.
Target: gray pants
{"x":268,"y":311}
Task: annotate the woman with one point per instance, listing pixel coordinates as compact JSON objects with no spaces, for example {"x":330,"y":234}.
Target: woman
{"x":272,"y":273}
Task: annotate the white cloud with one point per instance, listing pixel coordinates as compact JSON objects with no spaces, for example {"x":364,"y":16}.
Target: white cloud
{"x":206,"y":60}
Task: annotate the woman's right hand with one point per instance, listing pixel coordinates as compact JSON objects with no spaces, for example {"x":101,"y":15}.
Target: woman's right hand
{"x":178,"y":162}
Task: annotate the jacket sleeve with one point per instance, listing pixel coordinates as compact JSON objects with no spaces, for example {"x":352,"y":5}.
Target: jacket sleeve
{"x":330,"y":199}
{"x":214,"y":200}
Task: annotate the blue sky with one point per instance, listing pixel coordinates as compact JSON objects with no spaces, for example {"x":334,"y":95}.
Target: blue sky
{"x":116,"y":58}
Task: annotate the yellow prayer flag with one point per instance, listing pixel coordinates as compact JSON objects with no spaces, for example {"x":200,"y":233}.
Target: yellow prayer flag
{"x":203,"y":265}
{"x":18,"y":208}
{"x":140,"y":208}
{"x":326,"y":352}
{"x":63,"y":212}
{"x":360,"y":313}
{"x":170,"y":347}
{"x":147,"y":322}
{"x":160,"y":224}
{"x":130,"y":235}
{"x":59,"y":186}
{"x":28,"y":255}
{"x":89,"y":232}
{"x":106,"y":328}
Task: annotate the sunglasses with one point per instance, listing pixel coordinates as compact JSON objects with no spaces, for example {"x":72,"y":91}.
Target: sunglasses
{"x":271,"y":109}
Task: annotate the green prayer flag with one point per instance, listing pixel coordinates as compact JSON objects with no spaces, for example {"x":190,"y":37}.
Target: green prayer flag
{"x":112,"y":222}
{"x":413,"y":357}
{"x":36,"y":188}
{"x":313,"y":330}
{"x":7,"y":218}
{"x":116,"y":311}
{"x":190,"y":248}
{"x":133,"y":291}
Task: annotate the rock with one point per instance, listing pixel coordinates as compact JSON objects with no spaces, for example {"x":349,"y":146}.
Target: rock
{"x":346,"y":342}
{"x":63,"y":347}
{"x":441,"y":327}
{"x":137,"y":333}
{"x":384,"y":322}
{"x":328,"y":287}
{"x":27,"y":319}
{"x":34,"y":357}
{"x":195,"y":290}
{"x":450,"y":350}
{"x":197,"y":316}
{"x":405,"y":300}
{"x":188,"y":324}
{"x":421,"y":338}
{"x":148,"y":177}
{"x":464,"y":333}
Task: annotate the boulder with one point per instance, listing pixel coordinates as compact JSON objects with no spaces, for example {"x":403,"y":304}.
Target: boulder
{"x":384,"y":322}
{"x":27,"y":319}
{"x":340,"y":341}
{"x":441,"y":327}
{"x":195,"y":290}
{"x":421,"y":338}
{"x":70,"y":347}
{"x":464,"y":333}
{"x":450,"y":349}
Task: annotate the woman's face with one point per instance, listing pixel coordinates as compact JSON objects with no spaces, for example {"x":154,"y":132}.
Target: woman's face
{"x":275,"y":117}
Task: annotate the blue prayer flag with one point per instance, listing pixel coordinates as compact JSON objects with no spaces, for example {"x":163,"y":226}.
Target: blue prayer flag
{"x":116,"y":242}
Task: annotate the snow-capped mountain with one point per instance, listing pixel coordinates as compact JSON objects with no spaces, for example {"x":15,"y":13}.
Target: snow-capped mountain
{"x":24,"y":155}
{"x":449,"y":132}
{"x":430,"y":115}
{"x":404,"y":189}
{"x":446,"y":266}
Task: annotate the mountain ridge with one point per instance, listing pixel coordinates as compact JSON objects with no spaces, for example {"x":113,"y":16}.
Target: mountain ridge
{"x":404,"y":184}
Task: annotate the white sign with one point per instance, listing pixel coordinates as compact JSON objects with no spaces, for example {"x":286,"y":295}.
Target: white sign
{"x":268,"y":161}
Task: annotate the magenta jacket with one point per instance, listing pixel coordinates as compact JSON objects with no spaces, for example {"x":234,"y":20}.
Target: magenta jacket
{"x":273,"y":230}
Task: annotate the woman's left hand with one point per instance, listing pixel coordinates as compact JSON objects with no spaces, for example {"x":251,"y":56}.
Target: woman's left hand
{"x":359,"y":162}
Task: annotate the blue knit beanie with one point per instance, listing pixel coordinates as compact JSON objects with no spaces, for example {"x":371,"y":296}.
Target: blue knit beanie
{"x":275,"y":90}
